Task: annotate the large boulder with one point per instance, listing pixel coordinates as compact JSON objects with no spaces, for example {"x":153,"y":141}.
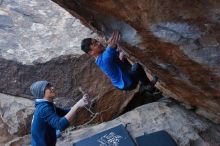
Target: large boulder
{"x":15,"y":117}
{"x":38,"y":30}
{"x":20,"y":141}
{"x":177,"y":40}
{"x":34,"y":32}
{"x":186,"y":128}
{"x":71,"y":76}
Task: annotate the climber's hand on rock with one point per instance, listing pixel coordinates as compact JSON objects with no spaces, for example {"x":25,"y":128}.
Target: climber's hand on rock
{"x":122,"y":55}
{"x":113,"y":40}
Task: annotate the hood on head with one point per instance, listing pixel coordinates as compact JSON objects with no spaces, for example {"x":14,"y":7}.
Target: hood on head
{"x":37,"y":88}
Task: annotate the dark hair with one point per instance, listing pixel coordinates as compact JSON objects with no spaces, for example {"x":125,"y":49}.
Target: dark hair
{"x":48,"y":86}
{"x":85,"y":44}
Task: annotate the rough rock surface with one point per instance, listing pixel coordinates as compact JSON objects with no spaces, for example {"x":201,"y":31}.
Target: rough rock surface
{"x":187,"y":128}
{"x":20,"y":141}
{"x":38,"y":30}
{"x":15,"y":117}
{"x":178,"y":40}
{"x":68,"y":74}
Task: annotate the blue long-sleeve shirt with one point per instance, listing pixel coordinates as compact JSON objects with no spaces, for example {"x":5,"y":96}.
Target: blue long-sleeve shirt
{"x":114,"y":68}
{"x":46,"y":120}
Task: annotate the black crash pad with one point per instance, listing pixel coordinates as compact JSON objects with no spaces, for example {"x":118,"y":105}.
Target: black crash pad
{"x":160,"y":138}
{"x":116,"y":136}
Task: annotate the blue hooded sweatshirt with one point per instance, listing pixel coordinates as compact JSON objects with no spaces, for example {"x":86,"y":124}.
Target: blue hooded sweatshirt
{"x":47,"y":118}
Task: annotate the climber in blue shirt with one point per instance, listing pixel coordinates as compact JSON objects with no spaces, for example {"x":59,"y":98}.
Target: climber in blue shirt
{"x":48,"y":118}
{"x":111,"y":63}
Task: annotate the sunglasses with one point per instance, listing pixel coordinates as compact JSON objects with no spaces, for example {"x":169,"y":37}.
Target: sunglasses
{"x":50,"y":87}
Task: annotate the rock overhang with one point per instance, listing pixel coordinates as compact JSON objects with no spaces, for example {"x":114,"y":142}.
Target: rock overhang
{"x":178,"y":40}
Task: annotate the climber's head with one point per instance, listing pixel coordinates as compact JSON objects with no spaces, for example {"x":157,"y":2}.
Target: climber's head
{"x":92,"y":47}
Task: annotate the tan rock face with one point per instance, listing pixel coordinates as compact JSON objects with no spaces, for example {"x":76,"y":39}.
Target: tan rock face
{"x":186,"y":128}
{"x":15,"y":117}
{"x":178,"y":40}
{"x":37,"y":31}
